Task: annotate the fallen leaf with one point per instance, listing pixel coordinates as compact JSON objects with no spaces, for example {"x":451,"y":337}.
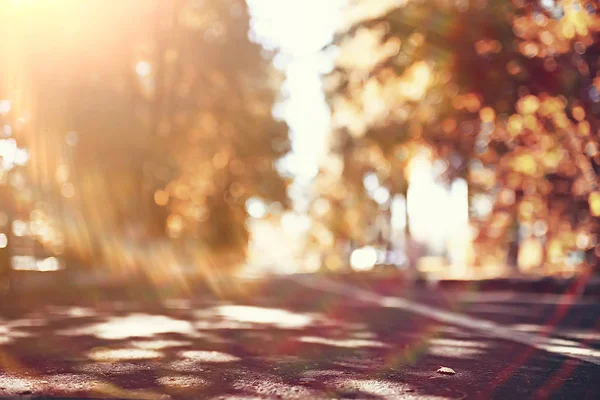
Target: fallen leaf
{"x":446,"y":370}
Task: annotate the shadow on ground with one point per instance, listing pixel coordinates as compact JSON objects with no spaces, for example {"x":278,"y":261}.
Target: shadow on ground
{"x":279,"y":342}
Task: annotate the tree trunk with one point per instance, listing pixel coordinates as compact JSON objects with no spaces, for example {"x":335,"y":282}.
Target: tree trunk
{"x":5,"y":258}
{"x":512,"y":259}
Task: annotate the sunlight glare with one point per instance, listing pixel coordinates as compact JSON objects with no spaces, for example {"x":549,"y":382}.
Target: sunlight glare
{"x":343,"y":343}
{"x":267,"y":316}
{"x":134,"y":325}
{"x":438,"y":215}
{"x":363,"y":259}
{"x":143,"y":69}
{"x":209,"y":356}
{"x":5,"y":106}
{"x":416,"y":81}
{"x":101,"y":354}
{"x":256,"y":208}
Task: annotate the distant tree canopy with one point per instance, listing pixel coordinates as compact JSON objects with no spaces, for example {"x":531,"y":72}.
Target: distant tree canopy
{"x":143,"y":115}
{"x":506,"y":92}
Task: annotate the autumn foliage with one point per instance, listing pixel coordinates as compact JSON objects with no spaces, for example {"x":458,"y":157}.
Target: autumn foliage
{"x":146,"y":124}
{"x":506,"y":92}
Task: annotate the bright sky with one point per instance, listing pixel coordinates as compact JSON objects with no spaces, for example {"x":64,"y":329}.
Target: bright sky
{"x":300,"y":29}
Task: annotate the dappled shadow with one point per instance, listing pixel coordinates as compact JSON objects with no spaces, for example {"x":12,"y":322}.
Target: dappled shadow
{"x":291,"y":343}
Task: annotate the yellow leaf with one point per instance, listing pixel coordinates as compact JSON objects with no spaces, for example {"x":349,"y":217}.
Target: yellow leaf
{"x":594,"y":201}
{"x":515,"y":124}
{"x":487,"y":114}
{"x":583,"y":128}
{"x":528,"y":104}
{"x":578,"y":113}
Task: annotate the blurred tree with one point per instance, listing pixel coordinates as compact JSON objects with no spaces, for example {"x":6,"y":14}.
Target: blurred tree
{"x":144,"y":119}
{"x":502,"y":90}
{"x":210,"y":92}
